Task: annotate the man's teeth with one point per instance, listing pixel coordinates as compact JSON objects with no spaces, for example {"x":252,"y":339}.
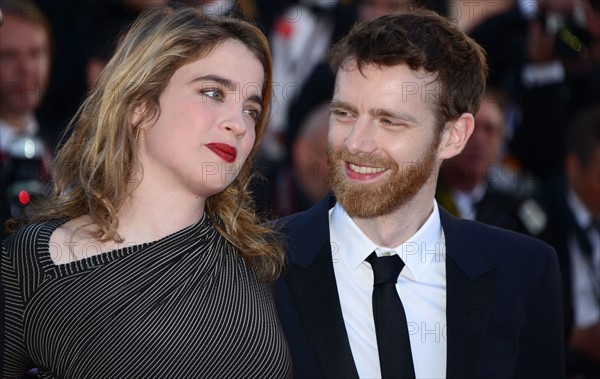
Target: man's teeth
{"x":365,"y":170}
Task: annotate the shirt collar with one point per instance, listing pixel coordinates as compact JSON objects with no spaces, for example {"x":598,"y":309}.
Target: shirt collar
{"x":354,"y":246}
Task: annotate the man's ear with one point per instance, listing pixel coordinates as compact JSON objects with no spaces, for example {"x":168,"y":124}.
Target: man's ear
{"x":455,"y":136}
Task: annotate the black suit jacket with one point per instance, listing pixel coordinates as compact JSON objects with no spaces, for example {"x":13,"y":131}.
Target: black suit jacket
{"x":504,"y":311}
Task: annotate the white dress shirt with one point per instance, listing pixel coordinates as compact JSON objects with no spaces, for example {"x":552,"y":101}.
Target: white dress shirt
{"x":421,"y":287}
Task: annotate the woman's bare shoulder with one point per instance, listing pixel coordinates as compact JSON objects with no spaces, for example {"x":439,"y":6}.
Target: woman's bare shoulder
{"x":75,"y":240}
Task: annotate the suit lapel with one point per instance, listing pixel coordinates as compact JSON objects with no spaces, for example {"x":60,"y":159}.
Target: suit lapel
{"x":311,"y":282}
{"x":467,"y":312}
{"x":470,"y":282}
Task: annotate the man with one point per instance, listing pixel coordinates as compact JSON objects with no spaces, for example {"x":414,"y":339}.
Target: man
{"x":470,"y":300}
{"x":572,"y":215}
{"x":24,"y":69}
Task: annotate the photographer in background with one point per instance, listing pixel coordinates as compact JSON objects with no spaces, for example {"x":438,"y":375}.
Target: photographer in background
{"x":25,"y":43}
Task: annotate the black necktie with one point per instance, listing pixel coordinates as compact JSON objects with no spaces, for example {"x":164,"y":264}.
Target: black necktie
{"x":393,"y":343}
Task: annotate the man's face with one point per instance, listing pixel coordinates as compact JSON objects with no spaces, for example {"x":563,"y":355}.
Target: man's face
{"x":24,"y":65}
{"x":383,"y":140}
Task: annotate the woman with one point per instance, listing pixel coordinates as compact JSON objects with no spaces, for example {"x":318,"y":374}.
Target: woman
{"x":148,"y":260}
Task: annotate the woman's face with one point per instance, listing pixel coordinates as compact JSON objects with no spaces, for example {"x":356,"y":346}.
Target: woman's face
{"x":206,"y":127}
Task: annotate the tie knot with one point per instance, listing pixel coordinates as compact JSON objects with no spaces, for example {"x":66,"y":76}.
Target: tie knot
{"x":385,"y":269}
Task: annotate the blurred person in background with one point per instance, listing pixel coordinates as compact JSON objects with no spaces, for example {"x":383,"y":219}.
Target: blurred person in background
{"x":309,"y":158}
{"x":25,"y":56}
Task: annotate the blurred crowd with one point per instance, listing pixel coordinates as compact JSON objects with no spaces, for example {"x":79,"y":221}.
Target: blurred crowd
{"x":532,"y":164}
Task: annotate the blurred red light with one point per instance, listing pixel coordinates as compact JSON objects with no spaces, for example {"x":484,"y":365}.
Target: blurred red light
{"x":24,"y":197}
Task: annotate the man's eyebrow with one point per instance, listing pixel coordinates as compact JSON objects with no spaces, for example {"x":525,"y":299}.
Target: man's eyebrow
{"x":380,"y":112}
{"x":377,"y":112}
{"x":343,"y":104}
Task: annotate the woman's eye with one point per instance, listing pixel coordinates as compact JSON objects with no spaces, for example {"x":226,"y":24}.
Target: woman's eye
{"x":253,"y":113}
{"x":214,"y":94}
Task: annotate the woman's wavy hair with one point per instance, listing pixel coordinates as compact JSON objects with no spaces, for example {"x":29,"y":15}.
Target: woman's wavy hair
{"x":92,"y":167}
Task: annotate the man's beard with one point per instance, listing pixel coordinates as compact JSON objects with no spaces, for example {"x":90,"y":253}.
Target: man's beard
{"x":373,"y":200}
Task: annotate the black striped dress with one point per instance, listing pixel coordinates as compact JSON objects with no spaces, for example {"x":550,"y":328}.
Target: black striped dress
{"x":185,"y":306}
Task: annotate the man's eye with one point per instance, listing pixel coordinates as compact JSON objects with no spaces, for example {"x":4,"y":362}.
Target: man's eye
{"x":339,"y":113}
{"x":392,"y":123}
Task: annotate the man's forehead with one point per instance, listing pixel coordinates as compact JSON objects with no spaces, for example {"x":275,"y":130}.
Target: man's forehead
{"x":401,"y":72}
{"x":399,"y":80}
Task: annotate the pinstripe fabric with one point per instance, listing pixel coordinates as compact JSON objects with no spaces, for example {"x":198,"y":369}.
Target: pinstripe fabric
{"x":183,"y":306}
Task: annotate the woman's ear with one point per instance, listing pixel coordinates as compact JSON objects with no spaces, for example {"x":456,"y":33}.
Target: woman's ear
{"x":456,"y":135}
{"x":137,"y":114}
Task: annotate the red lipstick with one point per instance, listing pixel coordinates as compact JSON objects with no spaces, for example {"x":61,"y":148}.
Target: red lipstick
{"x":223,"y":150}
